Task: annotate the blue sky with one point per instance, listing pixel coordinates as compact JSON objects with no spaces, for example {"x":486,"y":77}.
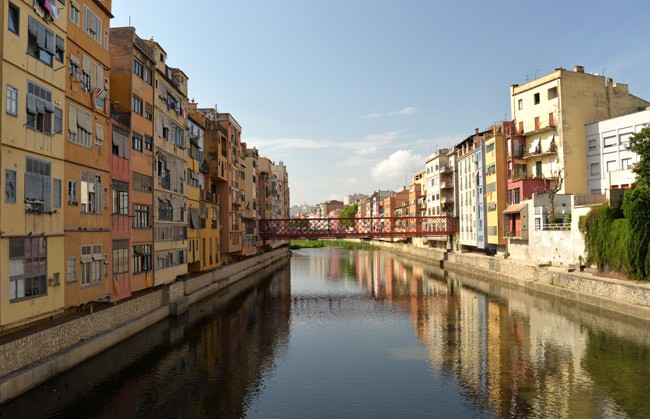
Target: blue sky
{"x":353,"y":95}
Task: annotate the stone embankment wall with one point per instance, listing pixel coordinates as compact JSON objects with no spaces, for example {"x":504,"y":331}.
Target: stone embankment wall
{"x":37,"y":357}
{"x":623,"y":296}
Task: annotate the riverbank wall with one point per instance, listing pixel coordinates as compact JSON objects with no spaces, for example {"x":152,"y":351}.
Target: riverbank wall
{"x":34,"y":358}
{"x":631,"y":298}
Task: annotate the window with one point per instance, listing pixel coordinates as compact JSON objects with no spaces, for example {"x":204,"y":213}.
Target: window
{"x":610,"y":141}
{"x":592,"y":145}
{"x":551,"y":119}
{"x":120,"y":197}
{"x":489,"y":148}
{"x":137,"y":141}
{"x":37,"y":185}
{"x":10,"y":186}
{"x":138,"y":68}
{"x":39,"y":108}
{"x":165,"y":210}
{"x":517,"y":197}
{"x":60,"y":49}
{"x":120,"y":256}
{"x":612,"y":165}
{"x":91,"y":193}
{"x":27,"y":267}
{"x":13,"y":19}
{"x":99,"y":135}
{"x":520,"y":104}
{"x":137,"y":105}
{"x":552,"y":93}
{"x":536,"y":98}
{"x":521,"y":127}
{"x":626,"y":163}
{"x":141,"y":258}
{"x":92,"y":25}
{"x":595,"y":169}
{"x":40,"y":42}
{"x":179,"y":136}
{"x":537,"y":125}
{"x":148,"y":111}
{"x":148,"y":75}
{"x":71,"y":268}
{"x":142,"y":216}
{"x":12,"y":100}
{"x":72,"y":192}
{"x":74,"y":13}
{"x":80,"y":126}
{"x":141,"y":182}
{"x":56,"y":193}
{"x":148,"y":142}
{"x":106,"y":39}
{"x":91,"y":264}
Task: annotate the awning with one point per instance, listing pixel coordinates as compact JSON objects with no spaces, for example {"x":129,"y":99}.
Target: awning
{"x":515,"y":208}
{"x":534,"y":146}
{"x":547,"y":143}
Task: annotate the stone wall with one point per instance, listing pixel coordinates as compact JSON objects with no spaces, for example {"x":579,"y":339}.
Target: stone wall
{"x":22,"y":352}
{"x":28,"y":361}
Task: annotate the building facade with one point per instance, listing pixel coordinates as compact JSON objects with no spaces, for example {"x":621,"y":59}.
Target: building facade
{"x":132,"y":98}
{"x":170,"y":162}
{"x":609,"y":158}
{"x":32,"y":144}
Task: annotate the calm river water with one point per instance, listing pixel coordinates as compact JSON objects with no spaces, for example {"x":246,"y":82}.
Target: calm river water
{"x":364,"y":334}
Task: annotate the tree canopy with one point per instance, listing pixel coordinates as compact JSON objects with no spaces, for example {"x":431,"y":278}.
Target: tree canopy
{"x":640,"y":144}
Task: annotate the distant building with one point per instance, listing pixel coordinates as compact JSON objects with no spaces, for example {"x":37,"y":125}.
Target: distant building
{"x":353,"y":198}
{"x":609,"y":157}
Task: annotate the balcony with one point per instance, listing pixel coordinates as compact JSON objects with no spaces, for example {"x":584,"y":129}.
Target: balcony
{"x":444,"y":200}
{"x":541,"y":148}
{"x":446,"y":169}
{"x":447,"y":185}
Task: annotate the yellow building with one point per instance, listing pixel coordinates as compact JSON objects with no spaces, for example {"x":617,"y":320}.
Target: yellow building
{"x":87,"y":150}
{"x":170,"y":164}
{"x":495,"y":183}
{"x":213,"y":172}
{"x":250,"y":214}
{"x":550,"y":114}
{"x":32,"y":265}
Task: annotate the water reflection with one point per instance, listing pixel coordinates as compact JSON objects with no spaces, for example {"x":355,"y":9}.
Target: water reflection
{"x":365,"y":334}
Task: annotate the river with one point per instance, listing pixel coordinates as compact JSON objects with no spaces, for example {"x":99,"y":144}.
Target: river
{"x":364,"y":334}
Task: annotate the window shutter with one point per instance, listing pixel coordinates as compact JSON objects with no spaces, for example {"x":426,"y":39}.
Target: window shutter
{"x":58,"y":120}
{"x":40,"y":37}
{"x":47,"y":194}
{"x":32,"y":25}
{"x":50,"y":45}
{"x":31,"y":104}
{"x":72,"y":119}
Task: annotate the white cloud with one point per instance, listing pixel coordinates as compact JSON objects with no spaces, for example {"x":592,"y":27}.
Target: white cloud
{"x":285,"y":143}
{"x":409,"y":110}
{"x":398,"y":165}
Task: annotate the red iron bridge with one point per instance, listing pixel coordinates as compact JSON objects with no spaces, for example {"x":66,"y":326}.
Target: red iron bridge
{"x":364,"y":227}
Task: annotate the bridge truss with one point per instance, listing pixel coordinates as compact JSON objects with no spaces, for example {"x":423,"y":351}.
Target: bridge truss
{"x":364,"y":227}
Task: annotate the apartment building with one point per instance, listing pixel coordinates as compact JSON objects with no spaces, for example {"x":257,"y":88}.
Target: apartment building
{"x":230,"y":191}
{"x":250,"y":215}
{"x":194,"y":191}
{"x":88,"y":213}
{"x":609,"y":158}
{"x":466,"y":185}
{"x":550,"y":114}
{"x":495,"y":183}
{"x":479,"y":159}
{"x":170,"y":162}
{"x":213,"y":172}
{"x":417,"y":195}
{"x":437,"y":168}
{"x":132,"y":98}
{"x":32,"y":144}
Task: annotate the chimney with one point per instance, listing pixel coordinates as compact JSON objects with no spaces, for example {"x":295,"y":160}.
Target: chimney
{"x":476,"y":131}
{"x":578,"y":69}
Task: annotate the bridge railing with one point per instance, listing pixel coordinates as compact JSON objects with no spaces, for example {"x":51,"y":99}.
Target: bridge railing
{"x":371,"y":227}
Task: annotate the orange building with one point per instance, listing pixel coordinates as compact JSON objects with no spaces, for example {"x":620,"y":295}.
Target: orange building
{"x":132,"y":67}
{"x":87,"y":215}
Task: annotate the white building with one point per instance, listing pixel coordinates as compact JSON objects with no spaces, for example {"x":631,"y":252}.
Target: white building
{"x":609,"y":159}
{"x":436,"y":164}
{"x":466,"y":186}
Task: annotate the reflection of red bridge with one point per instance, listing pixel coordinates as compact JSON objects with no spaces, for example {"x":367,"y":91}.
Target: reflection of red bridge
{"x":393,"y":227}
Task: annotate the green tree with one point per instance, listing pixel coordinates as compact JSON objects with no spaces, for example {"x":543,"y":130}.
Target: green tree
{"x":640,"y":144}
{"x":349,"y":212}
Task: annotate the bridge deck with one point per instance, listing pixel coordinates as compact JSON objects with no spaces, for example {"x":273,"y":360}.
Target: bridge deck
{"x":371,"y":227}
